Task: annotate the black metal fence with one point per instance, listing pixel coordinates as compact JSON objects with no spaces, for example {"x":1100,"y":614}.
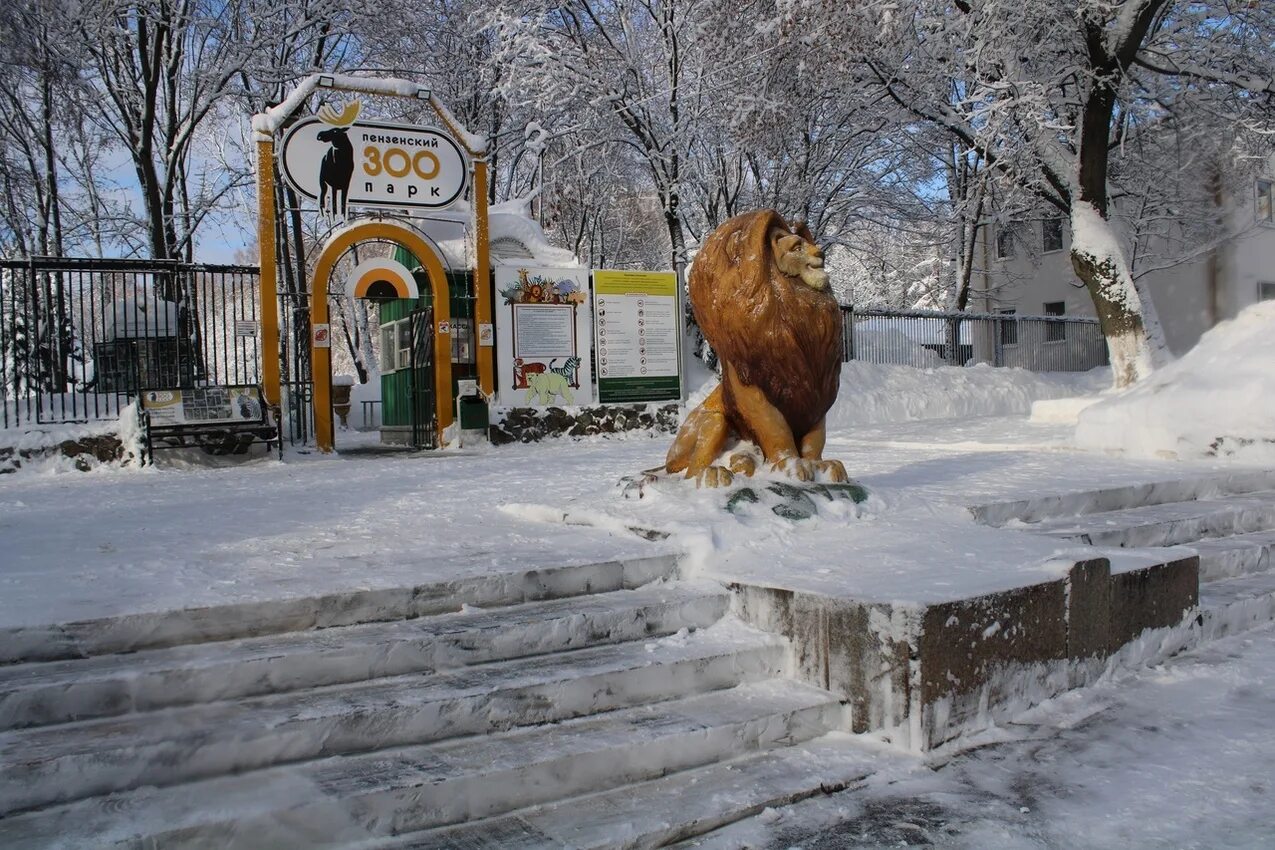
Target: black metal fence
{"x":79,"y":338}
{"x":931,"y":338}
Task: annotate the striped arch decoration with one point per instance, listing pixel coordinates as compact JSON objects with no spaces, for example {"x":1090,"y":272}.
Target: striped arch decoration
{"x":381,"y":278}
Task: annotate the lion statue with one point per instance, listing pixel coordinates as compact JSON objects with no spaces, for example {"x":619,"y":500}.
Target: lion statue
{"x":761,"y":297}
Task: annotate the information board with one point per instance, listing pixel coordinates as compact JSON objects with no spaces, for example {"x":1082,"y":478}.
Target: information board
{"x":203,"y":405}
{"x":639,"y":336}
{"x":543,"y":339}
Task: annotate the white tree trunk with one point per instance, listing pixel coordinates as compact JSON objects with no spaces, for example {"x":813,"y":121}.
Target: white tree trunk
{"x":1100,"y":262}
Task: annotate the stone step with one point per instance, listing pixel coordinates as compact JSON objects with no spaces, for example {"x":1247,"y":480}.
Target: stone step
{"x":347,"y":800}
{"x":1237,"y":555}
{"x":662,"y":811}
{"x":1054,"y":505}
{"x":1166,"y":525}
{"x":1233,"y":605}
{"x":63,"y":691}
{"x":157,"y":629}
{"x":53,"y":764}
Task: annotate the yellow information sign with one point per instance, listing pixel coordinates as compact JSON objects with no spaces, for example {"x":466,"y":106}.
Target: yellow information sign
{"x":638,"y":336}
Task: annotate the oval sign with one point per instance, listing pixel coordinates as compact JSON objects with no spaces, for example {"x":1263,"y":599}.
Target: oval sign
{"x":367,"y":164}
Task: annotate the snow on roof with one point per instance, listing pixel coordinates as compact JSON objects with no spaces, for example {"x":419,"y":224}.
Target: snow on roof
{"x":149,"y":316}
{"x":514,"y":236}
{"x":890,"y":345}
{"x":266,"y":124}
{"x":511,"y":220}
{"x":920,"y":329}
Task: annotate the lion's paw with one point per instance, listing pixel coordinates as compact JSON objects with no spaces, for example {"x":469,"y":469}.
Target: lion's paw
{"x":714,"y":476}
{"x":743,"y":463}
{"x":833,"y":470}
{"x":795,"y":467}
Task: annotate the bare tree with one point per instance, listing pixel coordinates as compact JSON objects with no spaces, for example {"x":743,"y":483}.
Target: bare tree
{"x":1049,"y":91}
{"x":163,"y":68}
{"x":633,"y":63}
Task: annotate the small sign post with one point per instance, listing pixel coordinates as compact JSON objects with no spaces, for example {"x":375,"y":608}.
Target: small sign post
{"x":322,"y":335}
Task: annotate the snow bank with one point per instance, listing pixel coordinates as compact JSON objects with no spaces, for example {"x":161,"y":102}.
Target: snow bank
{"x":1218,"y":400}
{"x":874,"y":394}
{"x":73,"y":447}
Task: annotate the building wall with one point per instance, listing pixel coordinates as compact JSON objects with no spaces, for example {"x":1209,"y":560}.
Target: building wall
{"x":1183,"y":295}
{"x":1031,"y":278}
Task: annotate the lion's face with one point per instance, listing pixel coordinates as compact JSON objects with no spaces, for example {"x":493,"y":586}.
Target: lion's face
{"x":798,"y":257}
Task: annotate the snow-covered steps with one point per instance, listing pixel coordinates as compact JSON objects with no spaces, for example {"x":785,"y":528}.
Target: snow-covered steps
{"x":348,"y":801}
{"x":666,"y":810}
{"x":1237,"y":555}
{"x":920,"y":673}
{"x":150,"y":630}
{"x":52,"y":764}
{"x":63,"y":691}
{"x":1232,"y":605}
{"x":1052,"y":505}
{"x":1170,"y":524}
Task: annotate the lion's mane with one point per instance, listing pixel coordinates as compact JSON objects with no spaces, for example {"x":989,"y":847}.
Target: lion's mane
{"x":777,"y":333}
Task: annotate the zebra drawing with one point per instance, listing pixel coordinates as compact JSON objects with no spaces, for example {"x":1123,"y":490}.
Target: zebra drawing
{"x":569,"y":370}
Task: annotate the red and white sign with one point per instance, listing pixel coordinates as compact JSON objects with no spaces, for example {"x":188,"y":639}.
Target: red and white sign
{"x":321,"y":336}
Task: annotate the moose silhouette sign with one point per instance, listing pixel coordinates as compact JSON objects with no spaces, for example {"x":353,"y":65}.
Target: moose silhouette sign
{"x":342,"y":162}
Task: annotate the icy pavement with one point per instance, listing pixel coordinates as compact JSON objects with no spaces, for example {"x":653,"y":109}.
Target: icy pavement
{"x":1179,"y":756}
{"x":76,"y":545}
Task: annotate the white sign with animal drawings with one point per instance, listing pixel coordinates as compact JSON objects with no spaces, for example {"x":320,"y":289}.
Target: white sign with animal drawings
{"x":544,"y":337}
{"x":342,"y":163}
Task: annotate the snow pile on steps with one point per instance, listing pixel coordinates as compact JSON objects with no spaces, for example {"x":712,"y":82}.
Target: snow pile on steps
{"x":1218,"y":400}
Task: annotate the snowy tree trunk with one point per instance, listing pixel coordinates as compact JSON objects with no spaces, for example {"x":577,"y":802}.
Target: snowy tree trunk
{"x":1099,"y":262}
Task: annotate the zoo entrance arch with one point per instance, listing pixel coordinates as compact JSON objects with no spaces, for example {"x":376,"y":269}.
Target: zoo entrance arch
{"x":265,"y":126}
{"x":321,"y":358}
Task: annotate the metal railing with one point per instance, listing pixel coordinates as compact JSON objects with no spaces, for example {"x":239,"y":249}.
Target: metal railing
{"x":80,"y":338}
{"x":927,"y":338}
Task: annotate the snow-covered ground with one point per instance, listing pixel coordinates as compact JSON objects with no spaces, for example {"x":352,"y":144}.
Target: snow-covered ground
{"x":1217,"y":400}
{"x":111,"y":542}
{"x":1176,"y":756}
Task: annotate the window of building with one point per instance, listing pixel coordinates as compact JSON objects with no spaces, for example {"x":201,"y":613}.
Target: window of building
{"x":1264,"y":209}
{"x":396,"y":343}
{"x":404,"y":327}
{"x":1051,"y":235}
{"x":1009,"y":327}
{"x":389,"y":355}
{"x":462,"y":340}
{"x":1266,"y":291}
{"x":1004,"y":241}
{"x":1055,"y":331}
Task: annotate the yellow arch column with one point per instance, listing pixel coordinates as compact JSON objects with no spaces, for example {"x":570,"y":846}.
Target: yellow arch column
{"x":267,"y":280}
{"x":321,"y":358}
{"x":482,"y":277}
